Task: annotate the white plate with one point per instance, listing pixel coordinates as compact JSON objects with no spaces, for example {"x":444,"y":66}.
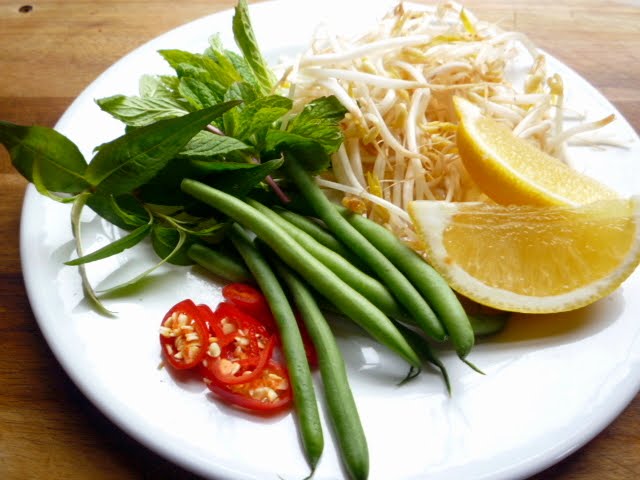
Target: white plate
{"x":551,"y":383}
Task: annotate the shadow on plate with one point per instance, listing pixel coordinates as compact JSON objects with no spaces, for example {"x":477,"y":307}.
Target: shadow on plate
{"x":563,"y":327}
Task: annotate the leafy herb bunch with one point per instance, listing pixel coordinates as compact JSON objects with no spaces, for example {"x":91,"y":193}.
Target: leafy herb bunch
{"x":219,"y":120}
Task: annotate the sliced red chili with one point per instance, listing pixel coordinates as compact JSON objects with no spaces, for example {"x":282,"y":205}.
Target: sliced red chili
{"x":184,"y":335}
{"x":269,"y":392}
{"x":250,"y":300}
{"x":239,"y":347}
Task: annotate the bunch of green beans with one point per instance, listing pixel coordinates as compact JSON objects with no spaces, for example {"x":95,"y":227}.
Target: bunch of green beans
{"x":304,"y":398}
{"x":295,"y":255}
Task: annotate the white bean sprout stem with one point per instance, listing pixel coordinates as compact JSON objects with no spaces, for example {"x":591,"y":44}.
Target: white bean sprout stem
{"x":397,"y":82}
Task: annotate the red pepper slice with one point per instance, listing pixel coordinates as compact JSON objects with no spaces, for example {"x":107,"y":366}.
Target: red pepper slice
{"x":184,"y":335}
{"x":250,"y":299}
{"x":270,"y":392}
{"x":239,"y":347}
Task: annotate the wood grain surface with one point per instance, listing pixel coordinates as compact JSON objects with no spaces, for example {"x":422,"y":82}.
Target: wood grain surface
{"x":51,"y":50}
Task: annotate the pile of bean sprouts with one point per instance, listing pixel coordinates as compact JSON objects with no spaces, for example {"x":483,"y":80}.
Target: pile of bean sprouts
{"x":397,"y":82}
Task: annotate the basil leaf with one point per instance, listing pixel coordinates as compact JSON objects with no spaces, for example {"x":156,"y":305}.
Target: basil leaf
{"x":61,"y":166}
{"x":240,"y":182}
{"x":212,"y":167}
{"x":123,"y":211}
{"x":170,"y":245}
{"x":246,"y":41}
{"x":134,"y":158}
{"x":138,"y":112}
{"x":311,"y":154}
{"x":130,"y":240}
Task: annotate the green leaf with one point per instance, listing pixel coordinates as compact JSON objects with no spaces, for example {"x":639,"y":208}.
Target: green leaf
{"x":212,"y":167}
{"x":230,"y":60}
{"x":260,"y":115}
{"x":244,"y":92}
{"x":203,"y":68}
{"x":246,"y":41}
{"x":171,"y":245}
{"x":123,"y":211}
{"x":76,"y":224}
{"x":134,"y":158}
{"x":199,"y":94}
{"x":240,"y":182}
{"x":130,"y":240}
{"x":139,"y":111}
{"x":157,"y":86}
{"x":207,"y":145}
{"x":320,"y":121}
{"x":61,"y":166}
{"x":178,"y":248}
{"x":311,"y":154}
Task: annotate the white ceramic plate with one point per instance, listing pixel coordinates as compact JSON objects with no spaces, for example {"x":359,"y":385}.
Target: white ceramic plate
{"x":550,"y":384}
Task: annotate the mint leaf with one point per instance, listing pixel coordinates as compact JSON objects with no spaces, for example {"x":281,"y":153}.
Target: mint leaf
{"x":208,"y":145}
{"x":246,"y":41}
{"x":138,"y":112}
{"x":259,"y":115}
{"x":201,"y":67}
{"x":61,"y":166}
{"x":230,"y":59}
{"x":320,"y":121}
{"x":198,"y":93}
{"x":244,"y":92}
{"x":157,"y":86}
{"x":133,"y":159}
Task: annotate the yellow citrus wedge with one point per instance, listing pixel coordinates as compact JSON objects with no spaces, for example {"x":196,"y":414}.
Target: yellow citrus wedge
{"x":510,"y":170}
{"x":529,"y":258}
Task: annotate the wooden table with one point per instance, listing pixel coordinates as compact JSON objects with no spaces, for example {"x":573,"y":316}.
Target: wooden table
{"x":51,"y":49}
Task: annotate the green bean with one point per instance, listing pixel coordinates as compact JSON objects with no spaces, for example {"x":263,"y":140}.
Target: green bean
{"x":304,"y":398}
{"x":422,"y":347}
{"x":488,"y":324}
{"x":426,"y":280}
{"x":318,"y":232}
{"x":397,"y":283}
{"x":218,"y":263}
{"x":367,"y":285}
{"x":327,"y":283}
{"x":342,"y":409}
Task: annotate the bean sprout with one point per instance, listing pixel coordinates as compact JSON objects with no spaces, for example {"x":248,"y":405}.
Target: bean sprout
{"x":397,"y":82}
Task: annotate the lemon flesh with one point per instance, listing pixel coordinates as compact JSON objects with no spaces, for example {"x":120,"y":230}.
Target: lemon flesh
{"x":527,"y":258}
{"x":510,"y":170}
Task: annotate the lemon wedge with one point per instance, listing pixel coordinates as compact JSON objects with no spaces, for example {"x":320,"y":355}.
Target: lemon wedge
{"x":510,"y":170}
{"x":531,"y":259}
